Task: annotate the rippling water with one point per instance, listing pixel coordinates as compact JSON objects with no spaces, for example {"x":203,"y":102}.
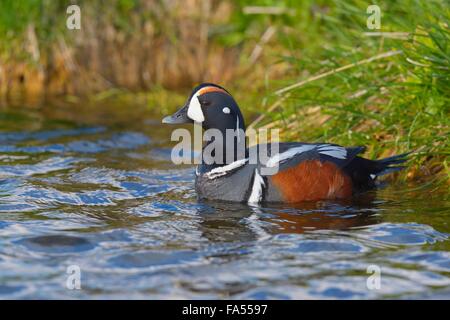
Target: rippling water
{"x":94,"y":187}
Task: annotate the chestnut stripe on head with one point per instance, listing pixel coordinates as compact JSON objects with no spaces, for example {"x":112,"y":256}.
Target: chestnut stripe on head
{"x":210,"y":89}
{"x":195,"y":110}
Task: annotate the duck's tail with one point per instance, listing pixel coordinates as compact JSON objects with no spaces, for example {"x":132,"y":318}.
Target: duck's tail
{"x":364,"y":172}
{"x":390,"y":164}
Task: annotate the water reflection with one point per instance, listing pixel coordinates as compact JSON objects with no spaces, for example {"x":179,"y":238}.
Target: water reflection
{"x":230,"y":221}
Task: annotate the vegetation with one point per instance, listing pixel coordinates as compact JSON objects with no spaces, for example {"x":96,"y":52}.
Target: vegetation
{"x":388,"y":90}
{"x":312,"y":68}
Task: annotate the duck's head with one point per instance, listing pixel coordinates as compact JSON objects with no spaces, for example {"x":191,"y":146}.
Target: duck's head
{"x":211,"y":106}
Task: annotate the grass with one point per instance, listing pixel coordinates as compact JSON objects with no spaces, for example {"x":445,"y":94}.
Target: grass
{"x":128,"y":44}
{"x":348,"y":87}
{"x":311,"y":68}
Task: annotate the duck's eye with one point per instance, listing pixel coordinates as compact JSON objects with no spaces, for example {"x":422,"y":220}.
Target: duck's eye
{"x":205,"y":103}
{"x":226,"y":110}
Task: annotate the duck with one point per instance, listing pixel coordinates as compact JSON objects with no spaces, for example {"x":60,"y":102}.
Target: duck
{"x":304,"y":171}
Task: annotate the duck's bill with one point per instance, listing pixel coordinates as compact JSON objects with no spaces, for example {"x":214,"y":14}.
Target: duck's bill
{"x":178,"y":117}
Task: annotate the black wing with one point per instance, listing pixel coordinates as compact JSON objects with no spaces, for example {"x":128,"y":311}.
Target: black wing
{"x":291,"y":154}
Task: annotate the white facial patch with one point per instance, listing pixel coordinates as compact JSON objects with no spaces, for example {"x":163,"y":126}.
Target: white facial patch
{"x":195,"y":110}
{"x":226,"y":110}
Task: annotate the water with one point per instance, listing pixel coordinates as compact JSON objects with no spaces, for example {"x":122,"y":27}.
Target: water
{"x":93,"y":187}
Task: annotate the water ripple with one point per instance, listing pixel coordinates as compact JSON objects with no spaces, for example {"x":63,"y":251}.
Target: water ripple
{"x":102,"y":194}
{"x":42,"y":167}
{"x":56,"y":244}
{"x":124,"y":140}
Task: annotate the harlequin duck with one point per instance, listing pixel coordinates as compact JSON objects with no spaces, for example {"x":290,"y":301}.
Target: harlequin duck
{"x":305,"y":171}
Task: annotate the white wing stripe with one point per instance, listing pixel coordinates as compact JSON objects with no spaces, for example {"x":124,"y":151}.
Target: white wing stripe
{"x":276,"y":159}
{"x":333,"y":151}
{"x":326,"y":149}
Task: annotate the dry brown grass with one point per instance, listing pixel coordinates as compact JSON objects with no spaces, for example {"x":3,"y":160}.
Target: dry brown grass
{"x":171,"y":48}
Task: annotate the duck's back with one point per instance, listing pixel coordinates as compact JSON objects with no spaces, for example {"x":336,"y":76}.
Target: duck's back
{"x":295,"y":172}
